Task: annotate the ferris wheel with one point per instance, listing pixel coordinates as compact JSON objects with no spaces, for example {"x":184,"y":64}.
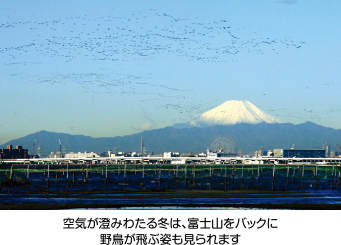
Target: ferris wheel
{"x":223,"y":143}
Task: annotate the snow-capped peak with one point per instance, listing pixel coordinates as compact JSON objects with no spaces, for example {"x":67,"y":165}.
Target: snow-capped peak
{"x":233,"y":112}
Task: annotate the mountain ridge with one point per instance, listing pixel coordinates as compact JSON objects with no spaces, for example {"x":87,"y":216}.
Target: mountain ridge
{"x":247,"y":137}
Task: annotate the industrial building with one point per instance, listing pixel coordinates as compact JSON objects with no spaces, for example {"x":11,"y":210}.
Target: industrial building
{"x":215,"y":154}
{"x":308,"y":153}
{"x":10,"y":153}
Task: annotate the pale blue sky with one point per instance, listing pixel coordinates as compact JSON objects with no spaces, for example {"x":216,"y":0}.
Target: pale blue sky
{"x":107,"y":68}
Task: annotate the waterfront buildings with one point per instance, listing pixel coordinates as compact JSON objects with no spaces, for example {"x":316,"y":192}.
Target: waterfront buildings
{"x":10,"y":153}
{"x":58,"y":154}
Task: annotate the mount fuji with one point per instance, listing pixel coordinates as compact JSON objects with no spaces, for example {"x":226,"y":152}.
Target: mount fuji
{"x":234,"y":112}
{"x":249,"y":127}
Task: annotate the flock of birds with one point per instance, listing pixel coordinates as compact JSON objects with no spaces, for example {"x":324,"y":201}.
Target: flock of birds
{"x":138,"y":37}
{"x":316,"y":115}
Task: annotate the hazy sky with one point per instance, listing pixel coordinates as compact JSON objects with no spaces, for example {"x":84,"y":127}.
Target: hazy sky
{"x":107,"y":68}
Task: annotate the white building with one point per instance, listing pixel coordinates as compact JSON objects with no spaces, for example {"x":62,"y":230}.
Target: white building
{"x":81,"y":155}
{"x":171,"y":154}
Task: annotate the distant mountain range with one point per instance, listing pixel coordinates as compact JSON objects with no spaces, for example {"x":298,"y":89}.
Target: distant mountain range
{"x":249,"y":127}
{"x":247,"y":137}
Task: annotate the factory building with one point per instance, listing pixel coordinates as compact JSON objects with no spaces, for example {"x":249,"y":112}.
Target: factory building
{"x":10,"y":153}
{"x":308,"y":153}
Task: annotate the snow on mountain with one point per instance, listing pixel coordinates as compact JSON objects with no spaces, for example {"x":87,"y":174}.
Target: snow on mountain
{"x":233,"y":112}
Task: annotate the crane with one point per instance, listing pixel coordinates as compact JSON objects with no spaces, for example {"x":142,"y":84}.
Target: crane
{"x":339,"y":147}
{"x":34,"y":144}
